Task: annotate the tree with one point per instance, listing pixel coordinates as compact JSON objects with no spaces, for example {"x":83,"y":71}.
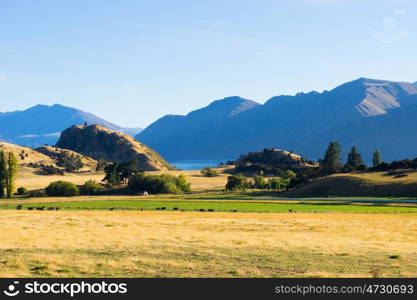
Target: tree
{"x":62,"y":189}
{"x":236,"y":182}
{"x":331,"y":162}
{"x":11,"y":174}
{"x":22,"y":191}
{"x":276,"y":184}
{"x":118,"y":173}
{"x":159,"y":184}
{"x":354,"y":159}
{"x":259,"y":182}
{"x":90,"y":187}
{"x":3,"y":174}
{"x":209,"y":172}
{"x":376,"y":159}
{"x":289,"y":174}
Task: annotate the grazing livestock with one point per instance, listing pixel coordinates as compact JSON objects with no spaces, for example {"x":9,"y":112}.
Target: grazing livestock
{"x":30,"y":208}
{"x":19,"y":207}
{"x":163,"y":208}
{"x":210,"y":210}
{"x":234,"y":210}
{"x":51,"y":208}
{"x":175,"y":208}
{"x":40,"y":208}
{"x":202,"y":210}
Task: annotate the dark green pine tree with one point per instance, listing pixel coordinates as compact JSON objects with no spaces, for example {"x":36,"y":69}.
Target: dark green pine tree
{"x":354,"y":159}
{"x":377,"y":159}
{"x":331,"y":162}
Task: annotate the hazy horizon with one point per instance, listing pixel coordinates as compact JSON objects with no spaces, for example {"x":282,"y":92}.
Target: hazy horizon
{"x":133,"y":62}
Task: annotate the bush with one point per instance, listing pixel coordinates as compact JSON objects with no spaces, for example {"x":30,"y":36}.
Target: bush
{"x":278,"y":183}
{"x":71,"y":162}
{"x":236,"y":182}
{"x":36,"y":194}
{"x":159,"y":184}
{"x":259,"y":182}
{"x":90,"y":187}
{"x":209,"y":172}
{"x":62,"y":189}
{"x":51,"y":170}
{"x":22,"y":191}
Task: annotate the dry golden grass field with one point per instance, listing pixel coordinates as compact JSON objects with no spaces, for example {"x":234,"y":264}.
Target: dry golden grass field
{"x":30,"y":180}
{"x":192,"y":244}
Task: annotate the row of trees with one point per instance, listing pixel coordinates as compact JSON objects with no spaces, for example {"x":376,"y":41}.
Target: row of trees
{"x":68,"y":189}
{"x":8,"y":172}
{"x":127,"y":172}
{"x":240,"y":182}
{"x":332,"y":161}
{"x":159,"y":184}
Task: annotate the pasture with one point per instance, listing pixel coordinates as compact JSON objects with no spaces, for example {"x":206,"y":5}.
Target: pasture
{"x":193,"y":244}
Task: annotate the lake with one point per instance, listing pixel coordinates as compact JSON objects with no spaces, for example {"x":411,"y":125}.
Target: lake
{"x":196,"y":164}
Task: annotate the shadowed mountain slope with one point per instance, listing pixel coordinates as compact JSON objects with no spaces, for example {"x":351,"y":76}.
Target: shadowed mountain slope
{"x":367,"y":113}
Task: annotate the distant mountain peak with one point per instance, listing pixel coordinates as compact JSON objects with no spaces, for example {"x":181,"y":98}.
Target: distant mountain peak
{"x":41,"y":124}
{"x":227,"y":107}
{"x":368,"y":113}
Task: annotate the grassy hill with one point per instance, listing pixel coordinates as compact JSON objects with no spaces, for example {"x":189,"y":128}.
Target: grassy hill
{"x":99,"y":142}
{"x":271,"y":161}
{"x":26,"y":155}
{"x":54,"y":152}
{"x":379,"y":184}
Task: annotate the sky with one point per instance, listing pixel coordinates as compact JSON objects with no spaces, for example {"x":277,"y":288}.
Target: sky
{"x":132,"y":61}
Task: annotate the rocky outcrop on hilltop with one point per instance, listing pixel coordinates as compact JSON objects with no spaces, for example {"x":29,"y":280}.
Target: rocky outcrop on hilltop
{"x":101,"y":143}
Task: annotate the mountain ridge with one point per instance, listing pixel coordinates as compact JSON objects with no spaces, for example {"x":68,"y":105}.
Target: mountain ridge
{"x":42,"y":124}
{"x":355,"y":113}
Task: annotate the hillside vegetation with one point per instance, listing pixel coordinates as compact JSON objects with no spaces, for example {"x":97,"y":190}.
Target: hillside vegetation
{"x":272,"y":161}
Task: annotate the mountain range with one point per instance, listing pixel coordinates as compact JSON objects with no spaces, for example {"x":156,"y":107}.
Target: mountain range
{"x":371,"y":114}
{"x":43,"y":124}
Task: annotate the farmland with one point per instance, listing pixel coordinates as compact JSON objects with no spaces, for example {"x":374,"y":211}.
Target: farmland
{"x":193,"y":244}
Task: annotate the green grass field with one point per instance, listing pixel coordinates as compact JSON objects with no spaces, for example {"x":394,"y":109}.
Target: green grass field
{"x":221,"y":205}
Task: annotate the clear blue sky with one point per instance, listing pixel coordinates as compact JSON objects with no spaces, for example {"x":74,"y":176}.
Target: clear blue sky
{"x":133,"y":61}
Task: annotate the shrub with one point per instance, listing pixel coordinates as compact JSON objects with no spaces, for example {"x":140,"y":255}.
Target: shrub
{"x":236,"y":182}
{"x":36,"y":194}
{"x":259,"y":182}
{"x":71,"y":162}
{"x":90,"y":187}
{"x":278,"y":183}
{"x":22,"y":191}
{"x":51,"y":170}
{"x":62,"y":189}
{"x":209,"y":172}
{"x":159,"y":184}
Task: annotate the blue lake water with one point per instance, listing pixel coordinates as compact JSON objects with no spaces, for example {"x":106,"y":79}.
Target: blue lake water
{"x":196,"y":164}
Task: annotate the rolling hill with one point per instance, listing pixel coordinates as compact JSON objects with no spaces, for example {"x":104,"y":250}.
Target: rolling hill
{"x":379,"y":184}
{"x":45,"y":155}
{"x":367,"y":113}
